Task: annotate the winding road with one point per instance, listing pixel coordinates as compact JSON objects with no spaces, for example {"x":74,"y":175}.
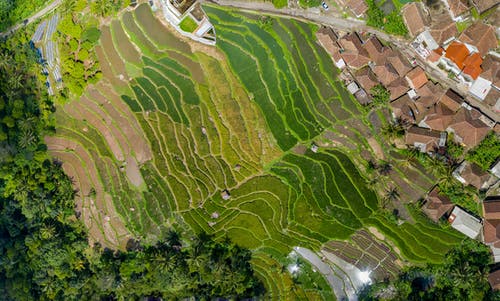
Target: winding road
{"x":47,"y":9}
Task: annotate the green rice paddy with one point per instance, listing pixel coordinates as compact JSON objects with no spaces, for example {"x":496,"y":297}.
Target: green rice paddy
{"x":231,"y":120}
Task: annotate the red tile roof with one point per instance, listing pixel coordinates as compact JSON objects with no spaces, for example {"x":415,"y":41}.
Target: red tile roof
{"x":436,"y":205}
{"x":474,"y":175}
{"x":469,"y":129}
{"x":458,"y":7}
{"x":429,"y":94}
{"x":457,"y":53}
{"x":414,"y":18}
{"x":452,"y":100}
{"x":358,"y":7}
{"x":491,"y":69}
{"x":494,"y":277}
{"x":444,"y":29}
{"x":427,"y":137}
{"x":439,"y":117}
{"x":353,"y":52}
{"x":472,"y":65}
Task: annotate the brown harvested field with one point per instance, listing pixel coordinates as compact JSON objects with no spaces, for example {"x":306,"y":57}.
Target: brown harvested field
{"x":138,"y":144}
{"x":133,"y":173}
{"x":193,"y":67}
{"x":106,"y":70}
{"x":75,"y":109}
{"x":125,"y":47}
{"x":115,"y":130}
{"x":109,"y":49}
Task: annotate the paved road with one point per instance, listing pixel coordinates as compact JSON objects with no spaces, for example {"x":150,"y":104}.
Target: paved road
{"x":47,"y":9}
{"x":336,"y":20}
{"x":336,"y":283}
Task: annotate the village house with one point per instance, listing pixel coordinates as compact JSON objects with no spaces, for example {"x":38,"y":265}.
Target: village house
{"x":328,"y":39}
{"x":425,"y":140}
{"x":376,"y":51}
{"x":416,"y":78}
{"x":465,"y":222}
{"x":491,"y":227}
{"x":457,"y":9}
{"x":452,"y":100}
{"x":407,"y":110}
{"x":494,"y":276}
{"x":470,"y":174}
{"x":415,"y":18}
{"x":444,"y":30}
{"x":366,"y":78}
{"x":398,"y":88}
{"x":479,"y":37}
{"x":437,"y":205}
{"x":464,"y":64}
{"x":468,"y":129}
{"x":438,"y":118}
{"x":487,"y":86}
{"x":429,"y":94}
{"x":352,"y":52}
{"x":357,"y":7}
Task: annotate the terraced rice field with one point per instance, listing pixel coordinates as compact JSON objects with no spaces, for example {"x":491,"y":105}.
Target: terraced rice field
{"x":173,"y":124}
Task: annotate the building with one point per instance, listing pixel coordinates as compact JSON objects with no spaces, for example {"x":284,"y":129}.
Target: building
{"x":480,"y":88}
{"x":385,"y":73}
{"x":479,"y":37}
{"x":465,"y":222}
{"x":438,"y":118}
{"x":225,"y":195}
{"x":328,"y":39}
{"x":376,"y":51}
{"x":429,"y":94}
{"x":494,"y":276}
{"x":455,"y":56}
{"x":425,"y":140}
{"x":484,"y":5}
{"x":437,"y":205}
{"x":406,"y":109}
{"x":457,"y":8}
{"x":416,"y":78}
{"x":495,"y":169}
{"x":471,"y":174}
{"x":452,"y":100}
{"x":357,"y":7}
{"x":398,"y":62}
{"x":352,"y":52}
{"x":491,"y":211}
{"x":415,"y":18}
{"x":397,"y":88}
{"x":444,"y":30}
{"x":366,"y":78}
{"x":468,"y":129}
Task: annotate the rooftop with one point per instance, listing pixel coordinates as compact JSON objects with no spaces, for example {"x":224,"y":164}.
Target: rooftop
{"x":458,"y":7}
{"x":416,"y":77}
{"x":457,"y":52}
{"x":480,"y":35}
{"x":465,"y":222}
{"x":436,"y":205}
{"x":414,"y":18}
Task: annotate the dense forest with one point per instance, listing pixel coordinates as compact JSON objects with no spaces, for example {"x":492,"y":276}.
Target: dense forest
{"x":44,"y":251}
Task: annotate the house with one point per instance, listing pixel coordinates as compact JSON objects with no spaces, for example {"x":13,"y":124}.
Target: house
{"x":455,"y":56}
{"x":444,"y":30}
{"x":357,"y":7}
{"x":436,"y":205}
{"x":471,"y":174}
{"x":415,"y":18}
{"x":354,"y":54}
{"x":484,"y":5}
{"x":398,"y":62}
{"x":480,"y":88}
{"x":425,"y":140}
{"x":479,"y":37}
{"x":416,"y":78}
{"x":328,"y":39}
{"x":491,"y":70}
{"x":385,"y":73}
{"x":465,"y":222}
{"x":405,"y":109}
{"x":397,"y":88}
{"x":375,"y":49}
{"x":494,"y":276}
{"x":438,"y":118}
{"x":429,"y":94}
{"x":472,"y":66}
{"x":366,"y":78}
{"x":362,"y":97}
{"x":468,"y":129}
{"x":491,"y":230}
{"x":352,"y":88}
{"x":452,"y":100}
{"x":457,"y":8}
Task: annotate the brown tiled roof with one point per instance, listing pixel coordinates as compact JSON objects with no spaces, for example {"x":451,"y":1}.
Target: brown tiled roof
{"x":397,"y":88}
{"x":491,"y":70}
{"x":471,"y":130}
{"x":358,"y":7}
{"x":474,"y":175}
{"x":414,"y":18}
{"x":458,"y":7}
{"x":429,"y":94}
{"x":416,"y":78}
{"x":491,"y":207}
{"x":452,"y":100}
{"x":484,"y":5}
{"x":434,"y":56}
{"x":385,"y":73}
{"x":457,"y":53}
{"x":425,"y":136}
{"x":443,"y":29}
{"x":439,"y":117}
{"x":328,"y":39}
{"x":366,"y":78}
{"x":492,"y":97}
{"x":353,"y":52}
{"x":399,"y":63}
{"x":374,"y":48}
{"x":406,"y":109}
{"x":480,"y":35}
{"x":436,"y":205}
{"x":494,"y":277}
{"x":473,"y":65}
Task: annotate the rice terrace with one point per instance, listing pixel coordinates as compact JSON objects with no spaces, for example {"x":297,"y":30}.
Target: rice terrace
{"x":255,"y":139}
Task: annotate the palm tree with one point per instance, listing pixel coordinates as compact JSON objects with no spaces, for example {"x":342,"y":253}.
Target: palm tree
{"x":391,"y":195}
{"x":385,"y":168}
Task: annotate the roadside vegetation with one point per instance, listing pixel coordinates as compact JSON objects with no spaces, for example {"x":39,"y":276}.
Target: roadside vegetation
{"x":391,"y":23}
{"x":14,"y":11}
{"x":486,"y":153}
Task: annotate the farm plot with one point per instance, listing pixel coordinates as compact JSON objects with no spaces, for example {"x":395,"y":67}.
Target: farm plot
{"x":201,"y":140}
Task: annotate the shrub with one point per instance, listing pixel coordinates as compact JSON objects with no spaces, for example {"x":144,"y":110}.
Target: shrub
{"x":486,"y":153}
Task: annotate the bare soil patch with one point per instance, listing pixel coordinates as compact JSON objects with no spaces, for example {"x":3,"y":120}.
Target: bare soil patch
{"x":376,"y":148}
{"x":133,"y":172}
